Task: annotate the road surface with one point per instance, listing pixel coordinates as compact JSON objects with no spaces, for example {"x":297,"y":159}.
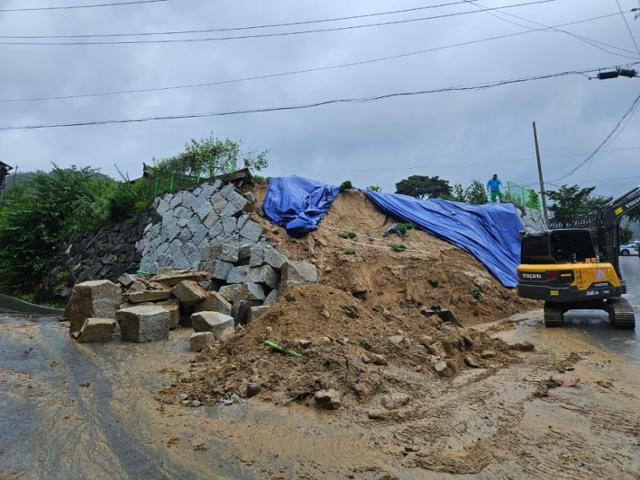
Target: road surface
{"x":594,"y":325}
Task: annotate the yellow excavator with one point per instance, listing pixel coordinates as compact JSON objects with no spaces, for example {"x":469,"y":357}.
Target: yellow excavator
{"x":561,"y":267}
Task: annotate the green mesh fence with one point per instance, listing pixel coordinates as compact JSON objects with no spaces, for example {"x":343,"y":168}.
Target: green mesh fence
{"x":524,"y":196}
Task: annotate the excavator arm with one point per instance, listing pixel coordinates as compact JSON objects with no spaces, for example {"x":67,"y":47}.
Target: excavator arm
{"x":608,"y":223}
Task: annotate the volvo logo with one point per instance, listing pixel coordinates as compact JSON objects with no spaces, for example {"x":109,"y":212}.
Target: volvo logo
{"x":532,"y":276}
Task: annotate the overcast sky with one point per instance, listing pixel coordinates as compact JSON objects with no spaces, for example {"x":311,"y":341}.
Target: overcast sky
{"x":459,"y":136}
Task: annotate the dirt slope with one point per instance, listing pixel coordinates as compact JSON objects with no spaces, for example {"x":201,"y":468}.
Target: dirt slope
{"x":361,"y":330}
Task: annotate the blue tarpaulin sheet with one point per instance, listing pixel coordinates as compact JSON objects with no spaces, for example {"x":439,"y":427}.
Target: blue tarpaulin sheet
{"x":297,"y":203}
{"x":488,"y":232}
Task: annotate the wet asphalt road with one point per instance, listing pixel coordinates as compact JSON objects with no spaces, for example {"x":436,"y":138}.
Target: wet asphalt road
{"x":594,"y":325}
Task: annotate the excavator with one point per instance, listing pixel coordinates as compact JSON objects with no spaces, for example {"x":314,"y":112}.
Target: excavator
{"x":561,"y":267}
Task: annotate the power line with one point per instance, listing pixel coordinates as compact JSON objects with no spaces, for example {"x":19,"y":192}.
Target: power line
{"x":74,"y":7}
{"x":626,"y":115}
{"x":297,"y":72}
{"x":589,"y":41}
{"x":369,"y":99}
{"x":251,"y":27}
{"x":279,"y":34}
{"x":628,"y":27}
{"x":424,"y":167}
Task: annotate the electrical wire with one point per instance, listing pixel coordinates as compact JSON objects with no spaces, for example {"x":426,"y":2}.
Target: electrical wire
{"x":295,"y":72}
{"x":618,"y":125}
{"x":278,"y":34}
{"x":251,"y":27}
{"x":75,"y":7}
{"x":443,"y":165}
{"x":368,"y":99}
{"x":633,"y":38}
{"x":589,"y":41}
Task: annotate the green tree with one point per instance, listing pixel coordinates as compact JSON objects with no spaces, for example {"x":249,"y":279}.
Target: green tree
{"x":533,"y":200}
{"x":457,"y":194}
{"x":476,"y":193}
{"x":374,"y":188}
{"x":38,"y":215}
{"x":420,"y":186}
{"x":569,"y":202}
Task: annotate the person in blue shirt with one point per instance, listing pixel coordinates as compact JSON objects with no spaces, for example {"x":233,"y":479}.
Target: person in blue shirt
{"x":494,"y":188}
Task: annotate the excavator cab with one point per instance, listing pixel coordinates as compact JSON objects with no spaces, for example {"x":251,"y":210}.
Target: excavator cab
{"x":562,"y":268}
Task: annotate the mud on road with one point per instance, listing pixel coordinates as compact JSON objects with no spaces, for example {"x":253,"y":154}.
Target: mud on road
{"x":72,"y":411}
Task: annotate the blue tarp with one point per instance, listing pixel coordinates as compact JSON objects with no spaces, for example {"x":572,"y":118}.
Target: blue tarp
{"x":488,"y":232}
{"x":298,"y":203}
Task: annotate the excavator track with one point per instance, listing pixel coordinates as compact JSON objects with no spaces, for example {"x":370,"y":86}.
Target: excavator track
{"x":553,"y":315}
{"x":621,"y":314}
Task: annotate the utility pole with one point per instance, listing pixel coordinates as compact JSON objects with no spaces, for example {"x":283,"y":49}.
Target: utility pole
{"x":542,"y":192}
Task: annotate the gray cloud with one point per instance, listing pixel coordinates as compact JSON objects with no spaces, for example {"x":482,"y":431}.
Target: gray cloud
{"x":459,"y":136}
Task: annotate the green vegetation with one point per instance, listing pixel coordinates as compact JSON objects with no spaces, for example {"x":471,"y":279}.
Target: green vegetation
{"x":433,"y":282}
{"x":346,"y":185}
{"x":403,"y":228}
{"x":348,"y":235}
{"x":476,"y":293}
{"x":374,"y":188}
{"x":572,"y":201}
{"x":420,"y":186}
{"x":475,"y":193}
{"x":43,"y":210}
{"x":398,"y":247}
{"x":350,"y":252}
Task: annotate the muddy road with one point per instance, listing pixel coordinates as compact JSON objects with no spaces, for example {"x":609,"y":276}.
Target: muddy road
{"x":568,"y":410}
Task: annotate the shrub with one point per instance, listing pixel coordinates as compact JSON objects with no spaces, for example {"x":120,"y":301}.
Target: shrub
{"x":403,"y":228}
{"x":350,"y":252}
{"x":374,"y":188}
{"x":398,"y":247}
{"x":346,"y":185}
{"x":39,"y":215}
{"x":476,"y":293}
{"x":347,"y":235}
{"x":433,"y":282}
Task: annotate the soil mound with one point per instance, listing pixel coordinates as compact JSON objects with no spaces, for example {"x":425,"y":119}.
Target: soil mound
{"x":364,"y":333}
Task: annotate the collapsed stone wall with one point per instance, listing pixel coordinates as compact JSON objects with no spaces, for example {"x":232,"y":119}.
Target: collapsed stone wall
{"x":105,"y":254}
{"x":191,"y":222}
{"x":533,"y":220}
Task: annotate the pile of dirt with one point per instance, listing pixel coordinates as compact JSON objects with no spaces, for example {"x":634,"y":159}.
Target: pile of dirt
{"x":428,"y":272}
{"x":362,"y":353}
{"x":364,"y":332}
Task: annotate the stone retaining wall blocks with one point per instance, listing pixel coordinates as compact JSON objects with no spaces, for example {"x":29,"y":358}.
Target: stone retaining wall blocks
{"x":144,"y":323}
{"x":243,"y":291}
{"x":297,"y":273}
{"x":96,"y":330}
{"x":214,"y":303}
{"x":189,"y":293}
{"x":213,"y":322}
{"x":94,"y":299}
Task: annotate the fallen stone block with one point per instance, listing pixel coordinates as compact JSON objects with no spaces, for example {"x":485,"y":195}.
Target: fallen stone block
{"x":148,"y":296}
{"x":137,"y":286}
{"x":171,"y":279}
{"x":238,"y":274}
{"x":395,"y":400}
{"x":95,"y":299}
{"x":144,"y":323}
{"x":271,"y":298}
{"x":273,"y":257}
{"x":214,"y":302}
{"x":189,"y":293}
{"x":255,"y":312}
{"x":201,"y":340}
{"x":126,"y":279}
{"x":242,"y":291}
{"x":213,"y":322}
{"x":96,"y":330}
{"x":297,"y":273}
{"x":173,"y":307}
{"x":241,"y":310}
{"x":264,"y":275}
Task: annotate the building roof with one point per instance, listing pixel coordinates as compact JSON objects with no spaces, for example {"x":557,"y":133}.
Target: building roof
{"x":5,"y":166}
